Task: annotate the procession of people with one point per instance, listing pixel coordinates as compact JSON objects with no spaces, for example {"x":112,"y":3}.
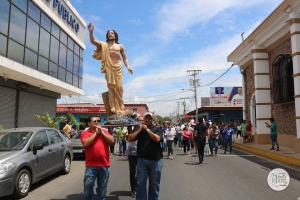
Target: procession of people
{"x":145,"y":142}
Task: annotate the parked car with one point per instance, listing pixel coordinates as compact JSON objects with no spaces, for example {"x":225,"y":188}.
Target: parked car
{"x":78,"y":148}
{"x":65,"y":134}
{"x":28,"y":155}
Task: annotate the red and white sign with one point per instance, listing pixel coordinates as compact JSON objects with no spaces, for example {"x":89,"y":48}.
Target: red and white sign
{"x":80,"y":110}
{"x":188,"y":116}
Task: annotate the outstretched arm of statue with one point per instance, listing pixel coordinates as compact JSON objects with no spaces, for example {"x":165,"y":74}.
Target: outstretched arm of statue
{"x":92,"y":38}
{"x":126,"y":63}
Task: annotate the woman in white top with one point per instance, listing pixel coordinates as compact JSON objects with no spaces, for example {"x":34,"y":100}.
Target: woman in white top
{"x":239,"y":131}
{"x":170,"y":134}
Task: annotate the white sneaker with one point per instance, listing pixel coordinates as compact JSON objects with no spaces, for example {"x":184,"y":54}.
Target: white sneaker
{"x":188,"y":153}
{"x":171,"y":157}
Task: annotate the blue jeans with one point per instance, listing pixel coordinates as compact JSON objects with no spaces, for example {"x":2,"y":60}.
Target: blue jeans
{"x":230,"y":145}
{"x":213,"y":142}
{"x":179,"y":139}
{"x":274,"y":141}
{"x":145,"y":168}
{"x":201,"y":145}
{"x":186,"y":145}
{"x":222,"y":140}
{"x":120,"y":146}
{"x":91,"y":174}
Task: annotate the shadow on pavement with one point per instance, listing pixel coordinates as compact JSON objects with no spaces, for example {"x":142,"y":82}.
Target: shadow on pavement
{"x":267,"y":164}
{"x":121,"y":160}
{"x":192,"y":163}
{"x":72,"y":197}
{"x":117,"y":194}
{"x":77,"y":158}
{"x":45,"y":181}
{"x":181,"y":154}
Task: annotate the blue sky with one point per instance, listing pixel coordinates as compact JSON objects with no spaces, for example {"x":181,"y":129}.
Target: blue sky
{"x":163,"y":39}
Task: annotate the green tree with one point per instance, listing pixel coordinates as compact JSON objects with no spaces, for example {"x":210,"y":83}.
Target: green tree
{"x":158,"y":118}
{"x":48,"y":120}
{"x":73,"y":121}
{"x":167,"y":119}
{"x":1,"y":127}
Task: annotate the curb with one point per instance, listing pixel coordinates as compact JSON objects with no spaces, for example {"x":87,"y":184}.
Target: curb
{"x":275,"y":156}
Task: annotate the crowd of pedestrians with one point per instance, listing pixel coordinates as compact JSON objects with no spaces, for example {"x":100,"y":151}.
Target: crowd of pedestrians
{"x":144,"y":146}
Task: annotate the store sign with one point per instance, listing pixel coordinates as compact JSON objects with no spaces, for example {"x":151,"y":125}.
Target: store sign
{"x":186,"y":116}
{"x":62,"y":10}
{"x":229,"y":96}
{"x":80,"y":110}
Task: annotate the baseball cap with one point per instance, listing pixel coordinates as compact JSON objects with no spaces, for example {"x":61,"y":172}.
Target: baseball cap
{"x":149,"y":113}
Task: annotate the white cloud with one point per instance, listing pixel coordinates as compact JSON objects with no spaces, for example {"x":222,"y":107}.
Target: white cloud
{"x":141,"y":59}
{"x":136,"y":21}
{"x":94,"y":98}
{"x":94,"y":18}
{"x":177,"y":16}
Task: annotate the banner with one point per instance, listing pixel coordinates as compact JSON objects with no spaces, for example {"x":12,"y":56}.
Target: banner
{"x":229,"y":96}
{"x":186,"y":116}
{"x":80,"y":110}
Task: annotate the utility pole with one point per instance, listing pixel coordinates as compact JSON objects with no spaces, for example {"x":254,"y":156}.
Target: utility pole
{"x":195,"y":82}
{"x":184,"y":104}
{"x":178,"y":104}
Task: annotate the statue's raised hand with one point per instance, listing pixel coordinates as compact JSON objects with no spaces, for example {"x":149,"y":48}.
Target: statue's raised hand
{"x":130,"y":70}
{"x":90,"y":27}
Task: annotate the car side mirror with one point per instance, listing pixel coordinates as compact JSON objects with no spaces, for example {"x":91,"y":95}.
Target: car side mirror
{"x":37,"y":147}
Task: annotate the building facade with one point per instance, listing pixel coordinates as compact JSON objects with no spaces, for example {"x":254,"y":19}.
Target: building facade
{"x":221,"y":114}
{"x":41,"y":58}
{"x":269,"y":59}
{"x":83,"y":111}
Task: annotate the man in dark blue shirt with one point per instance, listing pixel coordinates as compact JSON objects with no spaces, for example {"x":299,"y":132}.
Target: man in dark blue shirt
{"x":200,"y":132}
{"x":149,"y":163}
{"x":228,"y":138}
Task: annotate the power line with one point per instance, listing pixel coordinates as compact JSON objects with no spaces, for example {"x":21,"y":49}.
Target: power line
{"x":161,"y":94}
{"x":160,"y":79}
{"x":219,"y":76}
{"x":144,"y":96}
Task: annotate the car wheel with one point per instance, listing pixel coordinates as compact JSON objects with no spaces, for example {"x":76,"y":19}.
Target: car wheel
{"x":22,"y":184}
{"x":67,"y":165}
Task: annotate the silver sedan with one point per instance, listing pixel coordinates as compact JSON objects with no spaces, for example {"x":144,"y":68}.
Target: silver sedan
{"x":28,"y":155}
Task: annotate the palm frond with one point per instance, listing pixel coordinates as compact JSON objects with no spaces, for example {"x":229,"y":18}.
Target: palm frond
{"x":74,"y":121}
{"x":48,"y":120}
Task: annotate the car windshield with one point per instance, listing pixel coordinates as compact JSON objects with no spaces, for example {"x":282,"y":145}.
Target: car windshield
{"x":10,"y":141}
{"x":77,"y":136}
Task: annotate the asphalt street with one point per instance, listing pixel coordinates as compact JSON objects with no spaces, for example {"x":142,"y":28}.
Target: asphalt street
{"x":238,"y":176}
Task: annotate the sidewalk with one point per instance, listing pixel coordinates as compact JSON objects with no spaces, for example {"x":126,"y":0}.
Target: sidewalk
{"x":284,"y":155}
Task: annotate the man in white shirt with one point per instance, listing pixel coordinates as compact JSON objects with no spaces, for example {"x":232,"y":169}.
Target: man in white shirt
{"x":238,"y":98}
{"x":170,"y":134}
{"x":179,"y":130}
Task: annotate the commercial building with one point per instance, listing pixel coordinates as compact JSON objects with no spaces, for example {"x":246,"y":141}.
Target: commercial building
{"x":84,"y":110}
{"x":41,"y":58}
{"x":269,"y":59}
{"x":224,"y":105}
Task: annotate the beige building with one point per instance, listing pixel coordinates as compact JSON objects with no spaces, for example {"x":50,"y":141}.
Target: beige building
{"x":269,"y":59}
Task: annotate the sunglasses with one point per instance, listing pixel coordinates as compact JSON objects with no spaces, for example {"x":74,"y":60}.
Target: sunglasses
{"x":96,"y":121}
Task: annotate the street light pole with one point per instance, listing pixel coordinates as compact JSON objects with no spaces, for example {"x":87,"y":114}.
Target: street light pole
{"x":195,"y":83}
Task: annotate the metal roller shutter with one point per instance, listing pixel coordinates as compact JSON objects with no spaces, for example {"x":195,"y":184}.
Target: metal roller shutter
{"x":7,"y":107}
{"x":30,"y":104}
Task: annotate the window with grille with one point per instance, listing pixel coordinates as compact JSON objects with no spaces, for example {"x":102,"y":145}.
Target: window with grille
{"x":283,"y":82}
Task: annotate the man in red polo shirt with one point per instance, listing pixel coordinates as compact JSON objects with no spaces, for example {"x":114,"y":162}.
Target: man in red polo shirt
{"x":96,"y":141}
